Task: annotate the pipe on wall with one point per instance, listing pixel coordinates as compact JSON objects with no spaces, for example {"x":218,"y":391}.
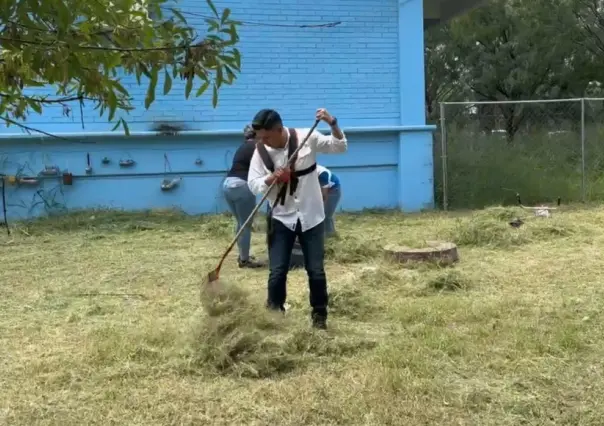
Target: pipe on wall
{"x":186,"y":173}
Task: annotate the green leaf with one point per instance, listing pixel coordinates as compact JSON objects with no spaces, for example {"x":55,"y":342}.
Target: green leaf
{"x":143,"y":69}
{"x":112,"y":103}
{"x":36,"y":106}
{"x":121,"y":122}
{"x":227,"y":59}
{"x":157,"y":11}
{"x":114,"y":60}
{"x":225,"y":16}
{"x":219,"y":76}
{"x":138,"y":73}
{"x":62,"y":13}
{"x":237,"y":57}
{"x":179,"y":15}
{"x":126,"y":128}
{"x":202,"y":88}
{"x":167,"y":82}
{"x":188,"y":87}
{"x":211,"y":4}
{"x":150,"y":97}
{"x":215,"y":96}
{"x":213,"y":25}
{"x":118,"y":86}
{"x":231,"y":76}
{"x":233,"y":32}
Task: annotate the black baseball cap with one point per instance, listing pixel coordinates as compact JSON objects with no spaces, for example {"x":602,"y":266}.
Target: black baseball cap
{"x":266,"y":119}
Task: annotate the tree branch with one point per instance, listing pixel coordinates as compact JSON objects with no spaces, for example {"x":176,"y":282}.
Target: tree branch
{"x":31,"y":129}
{"x":101,"y":48}
{"x":74,"y":32}
{"x":50,"y":101}
{"x":475,"y":89}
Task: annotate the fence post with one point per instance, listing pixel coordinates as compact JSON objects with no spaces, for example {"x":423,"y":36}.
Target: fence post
{"x":583,"y":185}
{"x":443,"y":149}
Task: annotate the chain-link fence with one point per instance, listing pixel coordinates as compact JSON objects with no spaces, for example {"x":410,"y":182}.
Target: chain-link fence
{"x":489,"y":151}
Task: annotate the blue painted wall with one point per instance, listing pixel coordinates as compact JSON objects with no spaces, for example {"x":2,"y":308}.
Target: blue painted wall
{"x":371,"y":159}
{"x":368,"y":71}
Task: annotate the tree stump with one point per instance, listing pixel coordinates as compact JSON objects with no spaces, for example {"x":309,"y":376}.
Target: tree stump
{"x":443,"y":253}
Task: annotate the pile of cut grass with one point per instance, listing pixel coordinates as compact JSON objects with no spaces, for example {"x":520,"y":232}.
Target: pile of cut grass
{"x":103,"y":221}
{"x":491,"y":228}
{"x":347,"y":248}
{"x":238,"y":336}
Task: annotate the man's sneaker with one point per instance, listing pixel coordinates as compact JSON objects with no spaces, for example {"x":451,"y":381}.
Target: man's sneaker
{"x":319,"y":322}
{"x":250,"y":263}
{"x":274,"y":308}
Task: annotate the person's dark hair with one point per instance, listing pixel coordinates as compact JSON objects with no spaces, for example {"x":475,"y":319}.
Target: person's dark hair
{"x":248,"y":133}
{"x":267,"y":119}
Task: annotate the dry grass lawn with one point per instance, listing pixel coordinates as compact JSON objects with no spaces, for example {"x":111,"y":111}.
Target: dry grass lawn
{"x":102,"y":324}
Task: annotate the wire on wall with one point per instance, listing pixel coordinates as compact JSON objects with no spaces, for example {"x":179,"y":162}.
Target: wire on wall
{"x":49,"y":199}
{"x":264,"y":24}
{"x":168,"y":184}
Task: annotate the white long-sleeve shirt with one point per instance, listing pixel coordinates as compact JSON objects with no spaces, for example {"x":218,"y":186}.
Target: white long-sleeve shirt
{"x":306,"y":204}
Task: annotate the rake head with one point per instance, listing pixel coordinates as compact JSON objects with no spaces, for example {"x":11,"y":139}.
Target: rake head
{"x":210,"y":285}
{"x":211,"y":278}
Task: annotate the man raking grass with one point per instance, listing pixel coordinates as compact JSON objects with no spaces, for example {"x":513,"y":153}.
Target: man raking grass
{"x":296,"y":209}
{"x":210,"y":283}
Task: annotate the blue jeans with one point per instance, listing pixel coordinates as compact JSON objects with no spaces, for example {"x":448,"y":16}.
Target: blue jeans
{"x":281,"y":243}
{"x":241,"y":202}
{"x":331,"y":204}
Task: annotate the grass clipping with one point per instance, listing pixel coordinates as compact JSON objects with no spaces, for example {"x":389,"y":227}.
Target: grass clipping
{"x":242,"y":338}
{"x":238,"y":336}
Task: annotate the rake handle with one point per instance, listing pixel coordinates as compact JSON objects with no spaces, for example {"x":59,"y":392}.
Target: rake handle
{"x":264,"y":197}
